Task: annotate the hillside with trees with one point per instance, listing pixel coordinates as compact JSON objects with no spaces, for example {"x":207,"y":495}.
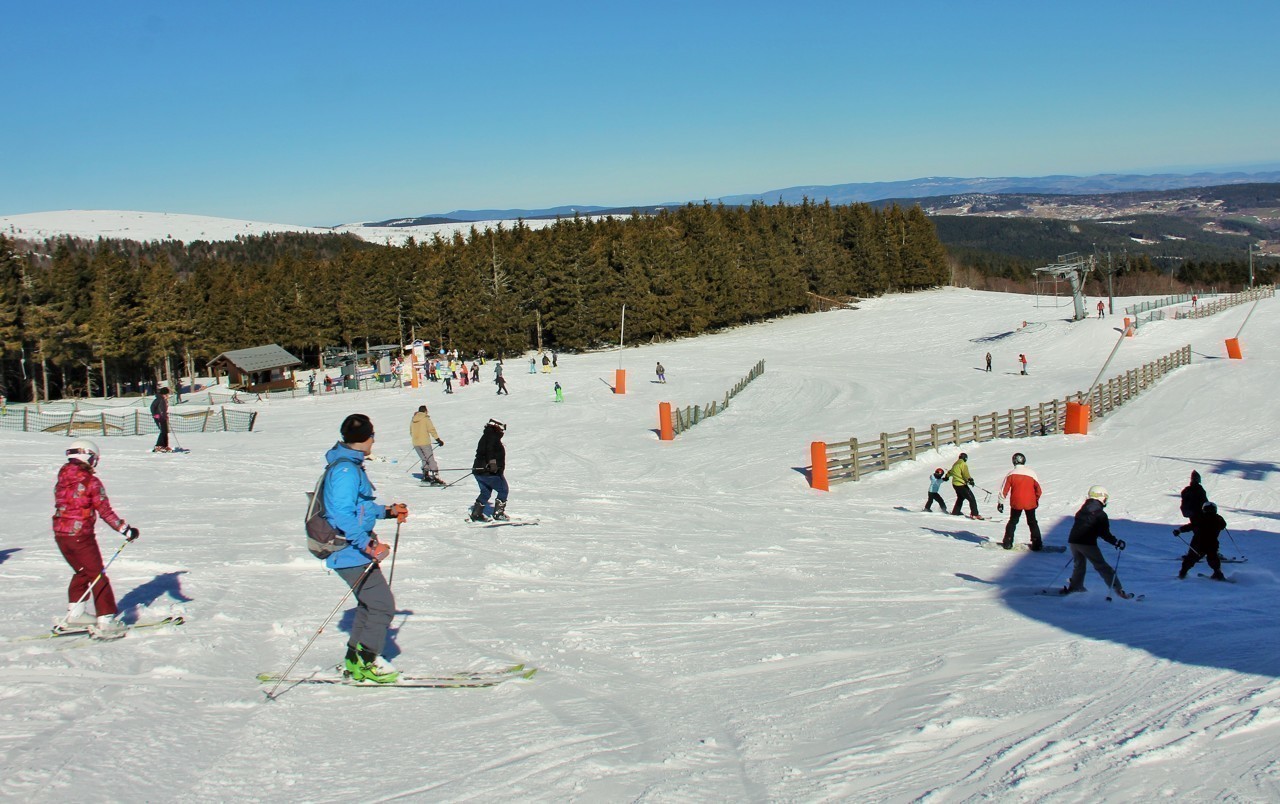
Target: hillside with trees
{"x":78,"y":316}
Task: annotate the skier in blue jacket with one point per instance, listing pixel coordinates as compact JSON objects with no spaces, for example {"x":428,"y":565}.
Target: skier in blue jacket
{"x":350,"y":507}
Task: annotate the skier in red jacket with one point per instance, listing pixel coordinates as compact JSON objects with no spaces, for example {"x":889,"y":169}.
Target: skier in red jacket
{"x":79,"y":499}
{"x":1022,"y":489}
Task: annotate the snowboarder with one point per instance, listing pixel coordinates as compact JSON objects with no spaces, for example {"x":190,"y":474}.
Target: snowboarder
{"x":935,"y":483}
{"x":961,"y":482}
{"x":488,"y":468}
{"x":79,"y":499}
{"x":662,"y":373}
{"x":1205,"y":527}
{"x":1022,"y":489}
{"x":1022,"y":360}
{"x":1193,"y":497}
{"x":988,"y":362}
{"x":1091,"y":524}
{"x":160,"y":414}
{"x":559,"y":393}
{"x":422,"y":432}
{"x":351,"y":509}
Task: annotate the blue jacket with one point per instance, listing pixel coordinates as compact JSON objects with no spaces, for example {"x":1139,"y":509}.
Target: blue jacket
{"x":349,"y":506}
{"x":935,"y":483}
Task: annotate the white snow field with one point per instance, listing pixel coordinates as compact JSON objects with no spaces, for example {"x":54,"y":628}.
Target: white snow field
{"x":706,"y":627}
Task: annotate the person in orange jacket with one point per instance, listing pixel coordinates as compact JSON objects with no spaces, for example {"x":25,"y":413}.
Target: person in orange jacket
{"x":1022,"y":490}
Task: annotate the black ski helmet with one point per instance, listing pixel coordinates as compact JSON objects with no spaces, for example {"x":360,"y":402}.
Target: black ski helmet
{"x":1209,"y":508}
{"x":1019,"y":459}
{"x":964,"y":456}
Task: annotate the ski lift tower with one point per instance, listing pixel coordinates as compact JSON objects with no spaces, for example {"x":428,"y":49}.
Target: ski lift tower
{"x":1073,"y":268}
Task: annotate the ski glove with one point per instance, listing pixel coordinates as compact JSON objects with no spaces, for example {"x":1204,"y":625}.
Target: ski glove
{"x":377,"y":550}
{"x":999,"y":508}
{"x":1177,"y":531}
{"x":398,"y":511}
{"x":130,"y":532}
{"x":1119,"y":544}
{"x":439,"y":443}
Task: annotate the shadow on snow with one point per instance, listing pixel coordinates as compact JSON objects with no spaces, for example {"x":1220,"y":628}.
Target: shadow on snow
{"x":140,"y":597}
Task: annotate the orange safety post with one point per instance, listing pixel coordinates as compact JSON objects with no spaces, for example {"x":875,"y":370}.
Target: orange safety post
{"x":1128,"y":328}
{"x":413,"y":370}
{"x":1233,"y":349}
{"x":665,"y":431}
{"x":818,"y":466}
{"x":620,"y":381}
{"x":1077,"y":419}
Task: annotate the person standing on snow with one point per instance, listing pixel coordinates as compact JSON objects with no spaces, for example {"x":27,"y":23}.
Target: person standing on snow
{"x":533,"y":366}
{"x":961,"y":484}
{"x":1205,"y":528}
{"x":1091,"y":524}
{"x":1022,"y":360}
{"x":79,"y":499}
{"x":488,"y":468}
{"x":1101,"y":309}
{"x":422,"y":432}
{"x":1022,"y":489}
{"x":988,"y":362}
{"x":935,"y":483}
{"x":662,"y":373}
{"x":351,"y":509}
{"x":559,"y":393}
{"x":160,"y":414}
{"x":1193,"y":497}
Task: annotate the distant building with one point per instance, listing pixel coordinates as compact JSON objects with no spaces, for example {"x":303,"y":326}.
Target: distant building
{"x":262,"y":368}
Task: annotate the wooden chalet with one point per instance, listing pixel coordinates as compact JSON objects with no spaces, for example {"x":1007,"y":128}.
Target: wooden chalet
{"x":256,"y":370}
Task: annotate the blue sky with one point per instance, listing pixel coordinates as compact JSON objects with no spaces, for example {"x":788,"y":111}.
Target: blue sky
{"x":322,"y":113}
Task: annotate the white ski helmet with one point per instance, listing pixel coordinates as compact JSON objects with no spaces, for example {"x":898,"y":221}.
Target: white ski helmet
{"x":84,"y":450}
{"x":1098,"y":493}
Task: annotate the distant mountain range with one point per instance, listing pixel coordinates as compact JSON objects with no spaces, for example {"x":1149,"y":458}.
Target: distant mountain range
{"x":882,"y":190}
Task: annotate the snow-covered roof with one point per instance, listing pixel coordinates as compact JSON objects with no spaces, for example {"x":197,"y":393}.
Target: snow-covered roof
{"x":259,"y":358}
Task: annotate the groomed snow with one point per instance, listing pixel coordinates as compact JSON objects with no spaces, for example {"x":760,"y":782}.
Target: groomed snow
{"x":706,"y":626}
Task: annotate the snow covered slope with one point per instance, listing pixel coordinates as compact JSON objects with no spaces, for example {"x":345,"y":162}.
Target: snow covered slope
{"x":148,"y":226}
{"x":706,"y":626}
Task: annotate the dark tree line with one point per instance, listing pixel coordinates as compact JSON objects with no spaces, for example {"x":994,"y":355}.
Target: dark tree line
{"x":75,"y":315}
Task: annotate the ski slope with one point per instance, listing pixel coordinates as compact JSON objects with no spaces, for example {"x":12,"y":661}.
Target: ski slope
{"x":706,"y":627}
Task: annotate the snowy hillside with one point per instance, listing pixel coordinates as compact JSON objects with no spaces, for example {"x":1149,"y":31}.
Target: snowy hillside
{"x":148,"y":226}
{"x":706,"y":627}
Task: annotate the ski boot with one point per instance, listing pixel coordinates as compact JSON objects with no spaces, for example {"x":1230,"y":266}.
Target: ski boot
{"x":435,"y":480}
{"x":363,"y":664}
{"x":77,"y":620}
{"x":1216,"y":576}
{"x":477,"y":513}
{"x":1069,"y":589}
{"x":1007,"y":544}
{"x":500,"y":511}
{"x":1037,"y":546}
{"x":107,"y":627}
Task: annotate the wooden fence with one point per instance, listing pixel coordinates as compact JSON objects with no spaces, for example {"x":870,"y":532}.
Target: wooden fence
{"x":846,"y":461}
{"x":684,"y":418}
{"x":131,"y":421}
{"x":1218,"y":305}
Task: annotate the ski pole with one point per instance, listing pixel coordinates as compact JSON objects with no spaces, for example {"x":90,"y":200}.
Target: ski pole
{"x":94,"y":583}
{"x":395,"y":545}
{"x":1115,"y":573}
{"x":1054,"y":582}
{"x":1233,"y":542}
{"x":459,"y":480}
{"x":271,"y":696}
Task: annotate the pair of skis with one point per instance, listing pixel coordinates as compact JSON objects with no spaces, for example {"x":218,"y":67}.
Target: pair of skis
{"x":466,"y":679}
{"x":75,"y":631}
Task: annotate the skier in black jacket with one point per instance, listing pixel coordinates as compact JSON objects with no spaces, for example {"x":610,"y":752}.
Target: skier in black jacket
{"x":1090,"y":525}
{"x":160,"y":414}
{"x":1205,"y":527}
{"x":488,"y":468}
{"x":1193,"y":497}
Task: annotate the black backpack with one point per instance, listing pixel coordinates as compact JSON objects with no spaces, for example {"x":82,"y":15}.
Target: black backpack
{"x":323,"y":539}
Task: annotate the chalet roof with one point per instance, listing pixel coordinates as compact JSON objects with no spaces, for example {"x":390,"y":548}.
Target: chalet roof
{"x":259,"y":358}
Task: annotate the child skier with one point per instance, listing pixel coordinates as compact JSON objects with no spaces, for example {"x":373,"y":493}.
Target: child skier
{"x":1205,"y":527}
{"x":935,"y":483}
{"x":559,"y":393}
{"x":351,"y":509}
{"x":422,"y":432}
{"x":79,"y":499}
{"x":1091,"y":524}
{"x":488,"y":469}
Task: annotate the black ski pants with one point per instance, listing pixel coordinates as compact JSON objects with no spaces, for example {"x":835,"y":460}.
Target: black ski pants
{"x":1014,"y":515}
{"x":964,"y":493}
{"x":1206,"y":548}
{"x":935,"y":497}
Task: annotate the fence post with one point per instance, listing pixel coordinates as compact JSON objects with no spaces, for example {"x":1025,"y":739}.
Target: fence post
{"x":136,"y":426}
{"x":104,"y":424}
{"x":204,"y":425}
{"x":253,"y":417}
{"x":884,"y":450}
{"x":25,"y":411}
{"x":977,"y":431}
{"x":911,"y":442}
{"x":818,"y":466}
{"x":853,"y":449}
{"x":933,"y":436}
{"x":224,"y":419}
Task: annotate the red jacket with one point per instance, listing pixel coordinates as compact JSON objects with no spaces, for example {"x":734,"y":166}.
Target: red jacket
{"x":78,"y":500}
{"x":1022,"y":487}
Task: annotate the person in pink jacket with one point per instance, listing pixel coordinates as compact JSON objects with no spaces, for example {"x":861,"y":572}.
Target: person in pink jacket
{"x":79,"y":499}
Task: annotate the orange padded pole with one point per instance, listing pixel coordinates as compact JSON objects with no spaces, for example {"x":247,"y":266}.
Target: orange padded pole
{"x":1077,"y":419}
{"x":818,"y":466}
{"x":665,"y":431}
{"x":620,"y":381}
{"x":1233,"y":349}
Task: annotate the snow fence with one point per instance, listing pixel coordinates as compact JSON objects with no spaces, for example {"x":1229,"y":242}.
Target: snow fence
{"x":78,"y":419}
